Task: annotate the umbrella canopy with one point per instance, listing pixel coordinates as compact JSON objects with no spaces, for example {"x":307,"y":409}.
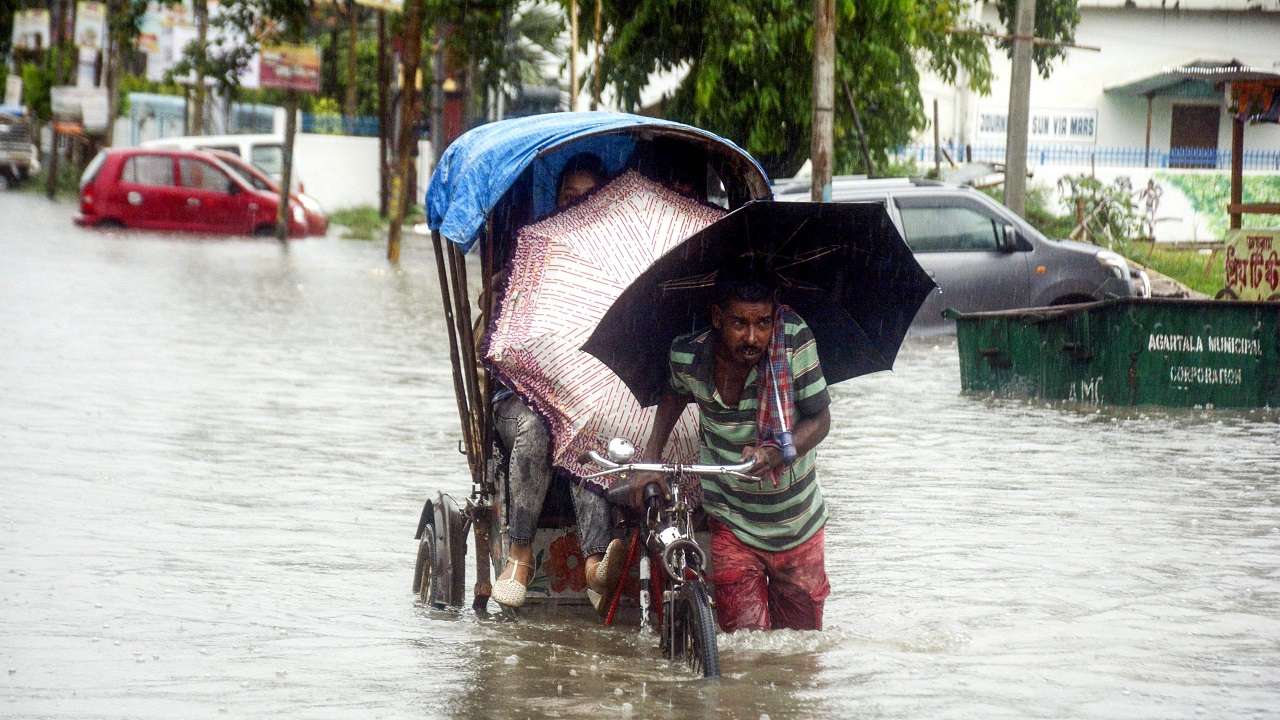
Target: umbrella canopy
{"x":567,"y":271}
{"x":843,"y":267}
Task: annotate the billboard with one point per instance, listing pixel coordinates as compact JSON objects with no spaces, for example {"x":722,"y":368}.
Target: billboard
{"x":91,"y":25}
{"x":31,"y":29}
{"x":290,"y":67}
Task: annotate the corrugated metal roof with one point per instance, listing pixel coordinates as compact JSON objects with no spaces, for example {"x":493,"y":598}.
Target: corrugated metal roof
{"x":1198,"y":77}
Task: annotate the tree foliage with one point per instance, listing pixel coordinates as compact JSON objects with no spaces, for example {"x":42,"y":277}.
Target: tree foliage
{"x":749,"y":67}
{"x":1056,"y":20}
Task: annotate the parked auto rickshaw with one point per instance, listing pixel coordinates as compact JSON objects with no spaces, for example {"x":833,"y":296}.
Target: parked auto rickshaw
{"x":491,"y":182}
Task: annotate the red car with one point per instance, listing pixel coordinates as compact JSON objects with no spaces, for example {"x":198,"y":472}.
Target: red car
{"x":177,"y":190}
{"x":317,"y":221}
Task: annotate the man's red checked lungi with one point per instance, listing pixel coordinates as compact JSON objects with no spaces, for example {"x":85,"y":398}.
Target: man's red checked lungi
{"x":761,"y":590}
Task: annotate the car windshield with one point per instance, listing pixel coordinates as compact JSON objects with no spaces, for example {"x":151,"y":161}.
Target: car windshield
{"x":246,"y":173}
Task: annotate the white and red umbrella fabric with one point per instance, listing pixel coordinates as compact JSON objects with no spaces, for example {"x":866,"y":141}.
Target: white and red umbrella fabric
{"x":566,"y":272}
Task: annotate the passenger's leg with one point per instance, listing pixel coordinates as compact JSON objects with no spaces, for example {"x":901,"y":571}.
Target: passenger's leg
{"x":595,"y":536}
{"x":742,"y":593}
{"x":798,"y":586}
{"x":529,"y":474}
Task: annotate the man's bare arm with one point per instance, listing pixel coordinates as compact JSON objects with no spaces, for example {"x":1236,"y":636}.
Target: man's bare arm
{"x":808,"y":433}
{"x":670,"y":408}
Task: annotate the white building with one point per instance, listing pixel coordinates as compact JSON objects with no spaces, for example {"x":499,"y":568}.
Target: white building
{"x":1097,"y":103}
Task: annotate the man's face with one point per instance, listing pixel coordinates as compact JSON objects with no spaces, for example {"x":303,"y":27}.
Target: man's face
{"x":575,"y":185}
{"x":744,"y":329}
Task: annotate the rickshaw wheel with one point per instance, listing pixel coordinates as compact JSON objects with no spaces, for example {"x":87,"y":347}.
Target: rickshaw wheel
{"x":440,"y":569}
{"x":689,"y":630}
{"x":426,"y":585}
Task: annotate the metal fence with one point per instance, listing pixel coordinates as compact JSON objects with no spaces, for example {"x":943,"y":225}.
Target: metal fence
{"x":1101,"y":156}
{"x":327,"y":124}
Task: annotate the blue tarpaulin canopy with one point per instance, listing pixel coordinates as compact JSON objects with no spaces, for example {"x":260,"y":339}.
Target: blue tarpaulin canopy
{"x":481,"y":165}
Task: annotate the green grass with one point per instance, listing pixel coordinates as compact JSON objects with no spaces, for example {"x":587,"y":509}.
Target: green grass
{"x":364,"y":223}
{"x":1200,"y":272}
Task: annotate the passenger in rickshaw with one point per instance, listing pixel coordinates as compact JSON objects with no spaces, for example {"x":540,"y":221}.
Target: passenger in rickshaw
{"x":767,"y":540}
{"x":526,"y":438}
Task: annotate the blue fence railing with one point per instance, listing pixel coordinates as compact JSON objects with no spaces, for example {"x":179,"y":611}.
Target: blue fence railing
{"x":1102,"y":156}
{"x":362,"y":125}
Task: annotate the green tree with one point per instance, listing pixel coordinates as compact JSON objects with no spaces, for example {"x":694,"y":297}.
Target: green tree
{"x":1056,"y":20}
{"x":749,"y":68}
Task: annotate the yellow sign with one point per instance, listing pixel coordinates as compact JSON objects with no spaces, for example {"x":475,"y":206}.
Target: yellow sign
{"x":290,"y":67}
{"x":1253,"y":263}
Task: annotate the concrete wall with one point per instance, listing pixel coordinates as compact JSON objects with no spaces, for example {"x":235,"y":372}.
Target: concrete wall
{"x":1135,"y":43}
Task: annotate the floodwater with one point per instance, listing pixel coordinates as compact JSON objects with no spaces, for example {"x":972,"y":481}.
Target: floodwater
{"x":213,"y":454}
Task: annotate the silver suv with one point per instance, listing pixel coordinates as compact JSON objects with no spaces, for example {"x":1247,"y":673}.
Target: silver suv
{"x":982,"y":255}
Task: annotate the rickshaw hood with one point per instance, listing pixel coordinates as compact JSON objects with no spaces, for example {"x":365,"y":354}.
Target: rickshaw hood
{"x":480,"y":166}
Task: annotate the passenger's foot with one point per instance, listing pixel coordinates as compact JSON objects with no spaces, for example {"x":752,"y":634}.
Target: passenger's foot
{"x":513,"y":582}
{"x":604,"y":576}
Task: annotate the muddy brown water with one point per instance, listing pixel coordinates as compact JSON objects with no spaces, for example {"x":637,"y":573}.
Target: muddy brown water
{"x":213,"y":454}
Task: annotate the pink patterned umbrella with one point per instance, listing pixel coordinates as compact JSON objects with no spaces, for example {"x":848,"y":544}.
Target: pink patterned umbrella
{"x":567,"y":271}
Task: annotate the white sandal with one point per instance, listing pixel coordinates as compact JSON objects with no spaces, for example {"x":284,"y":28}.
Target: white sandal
{"x":510,"y":592}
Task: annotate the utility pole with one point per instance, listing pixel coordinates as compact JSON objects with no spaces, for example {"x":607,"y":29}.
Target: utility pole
{"x":573,"y":55}
{"x":824,"y":94}
{"x":200,"y":11}
{"x":1015,"y":151}
{"x":290,"y":131}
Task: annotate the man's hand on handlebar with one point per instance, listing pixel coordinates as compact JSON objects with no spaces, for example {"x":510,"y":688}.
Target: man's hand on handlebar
{"x":642,"y":479}
{"x":762,"y":457}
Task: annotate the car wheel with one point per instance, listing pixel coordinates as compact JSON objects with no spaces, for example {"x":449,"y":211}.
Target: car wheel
{"x":265,"y":231}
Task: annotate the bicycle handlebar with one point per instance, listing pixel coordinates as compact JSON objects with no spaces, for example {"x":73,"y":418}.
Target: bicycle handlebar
{"x":737,"y":471}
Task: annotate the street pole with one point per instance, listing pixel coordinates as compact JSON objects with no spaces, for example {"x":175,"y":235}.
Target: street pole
{"x":384,"y":116}
{"x":290,"y":129}
{"x":824,"y":93}
{"x":573,"y":55}
{"x":1015,"y":152}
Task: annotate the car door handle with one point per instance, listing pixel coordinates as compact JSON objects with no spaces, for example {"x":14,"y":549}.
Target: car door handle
{"x":193,"y":202}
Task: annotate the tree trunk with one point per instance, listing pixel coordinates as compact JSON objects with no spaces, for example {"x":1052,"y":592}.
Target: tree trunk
{"x":290,"y":129}
{"x":412,"y":48}
{"x":573,"y":55}
{"x":350,"y":106}
{"x":200,"y":9}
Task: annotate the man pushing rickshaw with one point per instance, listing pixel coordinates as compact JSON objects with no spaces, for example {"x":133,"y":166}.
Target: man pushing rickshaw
{"x":587,"y":311}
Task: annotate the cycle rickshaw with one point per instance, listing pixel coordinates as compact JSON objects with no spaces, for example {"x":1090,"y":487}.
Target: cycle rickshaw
{"x":491,"y":182}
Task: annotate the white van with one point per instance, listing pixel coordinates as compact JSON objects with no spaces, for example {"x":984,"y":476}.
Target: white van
{"x":264,"y":151}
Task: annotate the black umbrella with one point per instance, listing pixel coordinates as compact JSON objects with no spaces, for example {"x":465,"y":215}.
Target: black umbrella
{"x":843,"y":267}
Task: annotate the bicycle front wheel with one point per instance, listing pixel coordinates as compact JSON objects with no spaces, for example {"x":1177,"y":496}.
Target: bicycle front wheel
{"x":689,"y":629}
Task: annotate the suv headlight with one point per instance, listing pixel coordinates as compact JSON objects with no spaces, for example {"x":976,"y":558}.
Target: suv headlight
{"x":299,"y":216}
{"x":1115,"y":263}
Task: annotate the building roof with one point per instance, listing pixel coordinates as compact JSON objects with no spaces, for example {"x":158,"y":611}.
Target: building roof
{"x":1198,"y":78}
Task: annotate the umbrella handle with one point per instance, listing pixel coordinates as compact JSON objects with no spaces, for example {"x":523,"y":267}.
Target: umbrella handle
{"x":788,"y":447}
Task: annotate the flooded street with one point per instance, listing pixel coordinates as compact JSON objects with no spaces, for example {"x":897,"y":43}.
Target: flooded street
{"x":213,"y":455}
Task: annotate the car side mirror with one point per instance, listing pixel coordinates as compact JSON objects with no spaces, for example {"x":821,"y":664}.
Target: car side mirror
{"x":1009,"y":242}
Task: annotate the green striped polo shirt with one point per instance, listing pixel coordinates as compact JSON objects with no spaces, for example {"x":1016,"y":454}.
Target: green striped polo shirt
{"x":759,"y":514}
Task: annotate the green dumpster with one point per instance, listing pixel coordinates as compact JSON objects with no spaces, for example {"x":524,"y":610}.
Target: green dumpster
{"x":1182,"y":353}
